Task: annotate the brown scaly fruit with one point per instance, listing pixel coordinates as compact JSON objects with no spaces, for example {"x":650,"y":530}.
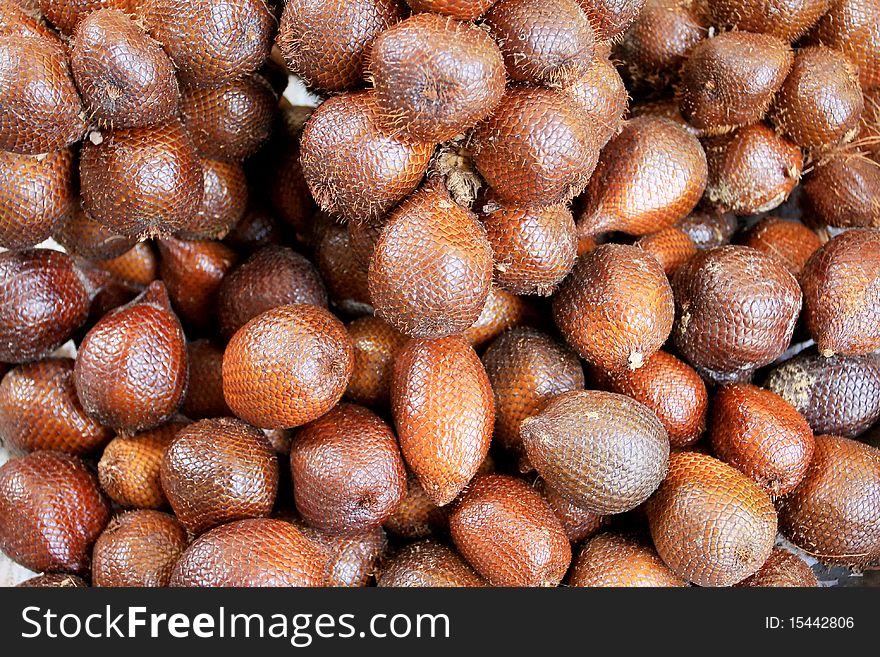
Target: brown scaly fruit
{"x":428,"y":564}
{"x":789,"y":241}
{"x":376,"y":345}
{"x":612,"y":559}
{"x":787,"y":19}
{"x":782,"y":569}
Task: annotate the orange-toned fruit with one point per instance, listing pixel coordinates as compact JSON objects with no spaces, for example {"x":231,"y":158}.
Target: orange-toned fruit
{"x":619,"y":560}
{"x":376,"y":345}
{"x":503,"y":310}
{"x":351,"y":560}
{"x":782,"y":569}
{"x":790,"y":241}
{"x":600,"y":93}
{"x":853,"y":27}
{"x":417,"y":516}
{"x":672,"y":247}
{"x":204,"y":395}
{"x":428,"y":564}
{"x":138,"y":265}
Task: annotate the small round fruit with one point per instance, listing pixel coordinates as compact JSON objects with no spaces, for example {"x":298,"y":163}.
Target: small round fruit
{"x":376,"y":345}
{"x":618,"y":560}
{"x":428,"y":564}
{"x":782,"y":569}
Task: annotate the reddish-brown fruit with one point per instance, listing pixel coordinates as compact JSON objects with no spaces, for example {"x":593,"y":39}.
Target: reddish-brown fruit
{"x":139,"y":265}
{"x":672,"y":247}
{"x":36,"y":197}
{"x":51,"y":512}
{"x":230,"y":122}
{"x":649,"y":176}
{"x":287,"y":366}
{"x":463,"y":10}
{"x":219,"y":470}
{"x":290,"y":196}
{"x":610,"y":18}
{"x":790,"y":241}
{"x":610,"y":560}
{"x":55,"y":581}
{"x":575,"y":437}
{"x":352,"y":166}
{"x":67,"y":14}
{"x":526,"y":368}
{"x":131,"y":368}
{"x":40,"y":108}
{"x":537,"y":149}
{"x":709,"y":230}
{"x":345,"y":278}
{"x":417,"y":516}
{"x":666,"y":108}
{"x":782,"y":569}
{"x":45,"y":298}
{"x":503,"y":310}
{"x":224,"y":200}
{"x":616,"y":308}
{"x":351,"y":560}
{"x":835,"y":513}
{"x":255,"y":552}
{"x":204,"y":396}
{"x":600,"y":93}
{"x":142,"y":182}
{"x":333,"y":58}
{"x":729,"y":80}
{"x":39,"y":410}
{"x":257,"y":228}
{"x":432,"y":266}
{"x":786,"y":19}
{"x":842,"y":191}
{"x":124,"y":77}
{"x":376,"y":345}
{"x":841,"y":284}
{"x":130,"y":466}
{"x":508,"y":533}
{"x":428,"y":564}
{"x":579,"y":523}
{"x":711,"y":524}
{"x":138,"y":548}
{"x":434,"y":77}
{"x":736,"y":310}
{"x":443,"y":408}
{"x":853,"y":27}
{"x":348,"y":475}
{"x":273,"y":276}
{"x":670,"y":388}
{"x":23,"y":18}
{"x":838,"y":395}
{"x":84,"y":237}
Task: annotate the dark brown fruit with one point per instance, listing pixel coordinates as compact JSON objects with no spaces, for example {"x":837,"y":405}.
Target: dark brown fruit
{"x":84,"y":237}
{"x":616,"y":308}
{"x":435,"y":77}
{"x":665,"y":108}
{"x":573,"y":440}
{"x":853,"y":27}
{"x":417,"y":516}
{"x":841,"y":284}
{"x":224,"y":201}
{"x":328,"y":44}
{"x":142,"y":182}
{"x":44,"y":297}
{"x":711,"y":524}
{"x":537,"y":149}
{"x":428,"y":564}
{"x":51,"y":511}
{"x":464,"y":10}
{"x":611,"y":18}
{"x":709,"y":230}
{"x":131,"y":369}
{"x":124,"y":77}
{"x":624,"y":194}
{"x":216,"y":471}
{"x":348,"y":475}
{"x":36,"y":197}
{"x":729,"y":80}
{"x":670,"y":388}
{"x":290,"y":196}
{"x":600,"y":93}
{"x":782,"y":569}
{"x":54,"y":580}
{"x":287,"y":367}
{"x":508,"y":533}
{"x":40,"y":109}
{"x":257,"y":228}
{"x":138,"y":548}
{"x":619,"y":560}
{"x":273,"y":276}
{"x":432,"y":266}
{"x":527,"y":368}
{"x":835,"y":513}
{"x":130,"y":466}
{"x":579,"y":523}
{"x":352,"y":166}
{"x":255,"y":552}
{"x":736,"y":310}
{"x":67,"y":14}
{"x":672,"y":247}
{"x":139,"y":265}
{"x":351,"y":560}
{"x":751,"y":170}
{"x":346,"y":279}
{"x":443,"y":408}
{"x":503,"y":310}
{"x":204,"y":396}
{"x":842,"y":191}
{"x":39,"y":410}
{"x":786,"y":19}
{"x":790,"y":241}
{"x":376,"y":345}
{"x":836,"y":395}
{"x":211,"y":42}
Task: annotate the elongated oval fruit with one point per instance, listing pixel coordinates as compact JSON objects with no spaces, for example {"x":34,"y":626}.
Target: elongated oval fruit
{"x":729,"y":80}
{"x":503,"y":310}
{"x":611,"y":18}
{"x":508,"y":533}
{"x":287,"y":366}
{"x":841,"y":284}
{"x":67,"y":14}
{"x":838,"y":395}
{"x":575,"y":437}
{"x":254,"y":552}
{"x":789,"y":241}
{"x":853,"y":27}
{"x":536,"y":149}
{"x":131,"y":369}
{"x":672,"y":247}
{"x":51,"y":512}
{"x":428,"y":564}
{"x":376,"y":344}
{"x":619,"y":560}
{"x":40,"y":108}
{"x":432,"y":266}
{"x":224,"y":201}
{"x":842,"y":189}
{"x":30,"y":331}
{"x":434,"y":77}
{"x":623,"y":196}
{"x":416,"y":516}
{"x":443,"y":408}
{"x":616,"y":308}
{"x":711,"y":524}
{"x":138,"y":548}
{"x":600,"y":93}
{"x":579,"y":523}
{"x":344,"y":136}
{"x":787,"y":19}
{"x":835,"y":513}
{"x":204,"y":395}
{"x":346,"y":279}
{"x":736,"y":310}
{"x":782,"y":569}
{"x":115,"y":92}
